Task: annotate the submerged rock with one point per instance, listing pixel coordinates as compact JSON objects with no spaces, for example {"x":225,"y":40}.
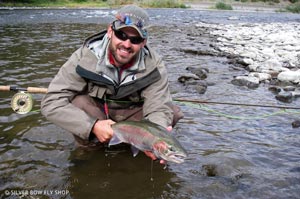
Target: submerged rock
{"x":202,"y":73}
{"x":187,"y":77}
{"x":250,"y":82}
{"x":284,"y":96}
{"x":193,"y":82}
{"x":296,"y":124}
{"x":275,"y":89}
{"x":201,"y":87}
{"x":289,"y":88}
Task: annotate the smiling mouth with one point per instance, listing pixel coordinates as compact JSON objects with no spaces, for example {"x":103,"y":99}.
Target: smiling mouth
{"x":125,"y":50}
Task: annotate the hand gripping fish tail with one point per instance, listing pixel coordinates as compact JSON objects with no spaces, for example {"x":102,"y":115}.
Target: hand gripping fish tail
{"x":148,"y":136}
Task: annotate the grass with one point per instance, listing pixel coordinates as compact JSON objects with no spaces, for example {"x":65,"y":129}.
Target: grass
{"x":223,"y":6}
{"x":294,"y":8}
{"x":93,"y":3}
{"x":54,"y":3}
{"x":163,"y":4}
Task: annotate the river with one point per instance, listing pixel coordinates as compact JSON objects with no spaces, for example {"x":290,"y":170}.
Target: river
{"x":234,"y":151}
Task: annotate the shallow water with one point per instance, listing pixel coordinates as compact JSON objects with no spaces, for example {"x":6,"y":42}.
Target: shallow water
{"x":234,"y":151}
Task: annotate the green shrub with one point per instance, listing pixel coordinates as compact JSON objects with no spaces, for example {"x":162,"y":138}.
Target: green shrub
{"x":223,"y":6}
{"x":295,"y":8}
{"x":163,"y":4}
{"x":79,"y":1}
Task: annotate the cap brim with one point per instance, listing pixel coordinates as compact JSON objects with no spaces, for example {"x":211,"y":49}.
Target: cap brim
{"x":118,"y":27}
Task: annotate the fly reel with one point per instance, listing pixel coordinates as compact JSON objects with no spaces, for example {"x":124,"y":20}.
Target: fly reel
{"x":22,"y":102}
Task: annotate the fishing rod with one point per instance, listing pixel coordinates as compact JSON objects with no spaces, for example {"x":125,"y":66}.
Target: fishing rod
{"x":233,"y":104}
{"x":28,"y":89}
{"x":22,"y":101}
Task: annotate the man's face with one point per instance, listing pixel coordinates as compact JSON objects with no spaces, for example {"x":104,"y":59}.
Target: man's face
{"x":124,"y":51}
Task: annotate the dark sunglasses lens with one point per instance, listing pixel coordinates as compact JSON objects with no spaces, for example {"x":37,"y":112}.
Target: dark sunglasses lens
{"x":136,"y":40}
{"x":122,"y":36}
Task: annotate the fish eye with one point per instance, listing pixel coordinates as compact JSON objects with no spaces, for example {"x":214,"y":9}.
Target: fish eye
{"x":171,"y":148}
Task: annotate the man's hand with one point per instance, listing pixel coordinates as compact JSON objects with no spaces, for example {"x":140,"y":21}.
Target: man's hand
{"x":152,"y":156}
{"x":103,"y":131}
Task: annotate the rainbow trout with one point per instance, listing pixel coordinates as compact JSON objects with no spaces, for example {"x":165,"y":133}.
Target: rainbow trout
{"x":147,"y":136}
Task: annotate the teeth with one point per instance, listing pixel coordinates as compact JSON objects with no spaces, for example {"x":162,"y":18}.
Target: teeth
{"x":125,"y":50}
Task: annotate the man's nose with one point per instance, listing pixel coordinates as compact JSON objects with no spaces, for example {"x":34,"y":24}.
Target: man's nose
{"x":127,"y":43}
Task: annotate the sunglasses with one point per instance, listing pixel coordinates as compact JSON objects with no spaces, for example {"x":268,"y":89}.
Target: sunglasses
{"x":123,"y":36}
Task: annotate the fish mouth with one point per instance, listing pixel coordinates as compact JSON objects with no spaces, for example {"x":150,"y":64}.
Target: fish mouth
{"x":169,"y":152}
{"x":175,"y":157}
{"x":178,"y":158}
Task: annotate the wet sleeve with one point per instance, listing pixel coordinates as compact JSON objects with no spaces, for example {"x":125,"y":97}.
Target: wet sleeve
{"x":56,"y":105}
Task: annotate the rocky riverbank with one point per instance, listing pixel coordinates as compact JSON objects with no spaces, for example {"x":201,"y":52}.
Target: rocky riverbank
{"x":269,"y":53}
{"x":249,"y":6}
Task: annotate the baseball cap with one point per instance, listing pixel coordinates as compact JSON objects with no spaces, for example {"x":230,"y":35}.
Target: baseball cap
{"x":133,"y":16}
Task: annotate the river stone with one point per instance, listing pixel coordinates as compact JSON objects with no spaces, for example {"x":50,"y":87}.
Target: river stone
{"x":252,"y":67}
{"x":264,"y":47}
{"x":289,"y":76}
{"x":275,"y":89}
{"x":196,"y":85}
{"x":296,"y":93}
{"x":261,"y":76}
{"x":201,"y":87}
{"x":248,"y":61}
{"x":200,"y":72}
{"x":289,"y":88}
{"x":268,"y":52}
{"x":248,"y":54}
{"x":250,"y":82}
{"x":284,"y":96}
{"x":272,"y":64}
{"x":296,"y":124}
{"x":187,"y":77}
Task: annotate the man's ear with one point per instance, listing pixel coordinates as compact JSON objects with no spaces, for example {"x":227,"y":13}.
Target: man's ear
{"x":109,"y":31}
{"x":144,"y":43}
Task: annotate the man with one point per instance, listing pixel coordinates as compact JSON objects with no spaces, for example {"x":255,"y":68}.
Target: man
{"x":114,"y":76}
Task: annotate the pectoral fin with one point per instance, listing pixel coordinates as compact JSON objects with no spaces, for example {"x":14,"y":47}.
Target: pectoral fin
{"x":114,"y":141}
{"x":134,"y":150}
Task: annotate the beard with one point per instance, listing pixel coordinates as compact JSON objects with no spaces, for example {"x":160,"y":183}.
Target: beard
{"x":121,"y":54}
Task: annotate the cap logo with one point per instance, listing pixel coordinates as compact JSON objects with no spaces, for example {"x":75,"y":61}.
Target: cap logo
{"x":126,"y":19}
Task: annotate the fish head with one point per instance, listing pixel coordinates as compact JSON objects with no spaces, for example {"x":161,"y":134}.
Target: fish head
{"x":169,"y":152}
